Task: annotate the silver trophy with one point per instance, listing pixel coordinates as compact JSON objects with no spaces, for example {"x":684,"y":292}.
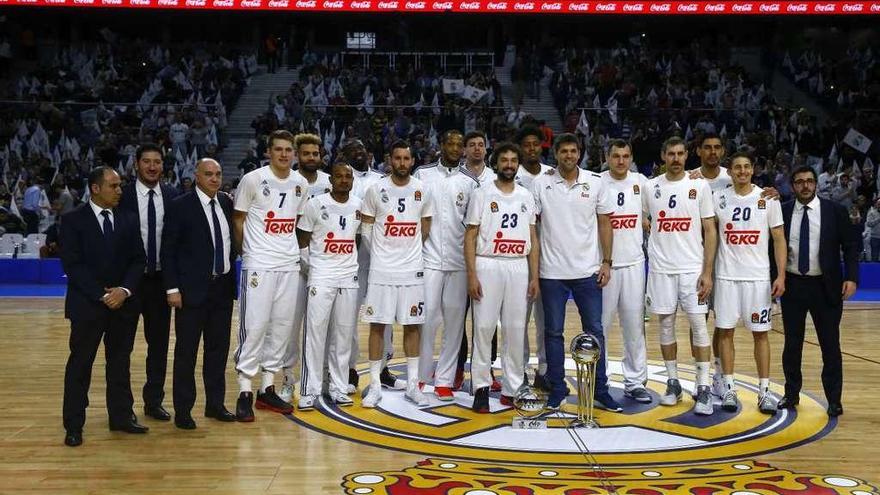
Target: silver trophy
{"x":585,"y":351}
{"x":529,"y":404}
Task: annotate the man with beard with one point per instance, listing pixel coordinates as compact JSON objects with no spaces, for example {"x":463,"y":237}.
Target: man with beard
{"x":450,"y":187}
{"x":501,"y":253}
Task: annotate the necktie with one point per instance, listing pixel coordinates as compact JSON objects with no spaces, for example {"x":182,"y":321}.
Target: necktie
{"x":804,"y":243}
{"x":151,"y":234}
{"x":107,"y":225}
{"x":218,"y":242}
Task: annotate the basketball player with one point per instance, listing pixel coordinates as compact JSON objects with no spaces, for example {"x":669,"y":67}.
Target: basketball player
{"x":328,"y":228}
{"x":681,"y":261}
{"x":396,"y":218}
{"x":501,"y":253}
{"x":308,"y":156}
{"x":475,"y":157}
{"x":530,"y":138}
{"x":624,"y":293}
{"x":451,"y":188}
{"x":268,"y":203}
{"x":742,"y":289}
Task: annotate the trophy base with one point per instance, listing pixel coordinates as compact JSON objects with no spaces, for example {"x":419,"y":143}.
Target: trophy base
{"x":590,"y":424}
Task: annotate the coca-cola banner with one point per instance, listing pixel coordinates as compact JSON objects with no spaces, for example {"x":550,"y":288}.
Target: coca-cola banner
{"x":507,"y":6}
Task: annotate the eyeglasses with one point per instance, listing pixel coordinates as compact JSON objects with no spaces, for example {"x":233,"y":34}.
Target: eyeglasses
{"x":804,"y":182}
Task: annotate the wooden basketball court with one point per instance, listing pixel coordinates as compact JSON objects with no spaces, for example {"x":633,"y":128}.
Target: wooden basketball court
{"x":276,"y":454}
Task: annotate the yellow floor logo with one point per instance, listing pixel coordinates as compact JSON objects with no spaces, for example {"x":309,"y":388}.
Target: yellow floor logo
{"x":642,"y":434}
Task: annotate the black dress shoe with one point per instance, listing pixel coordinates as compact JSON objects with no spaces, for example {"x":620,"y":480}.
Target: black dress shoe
{"x":835,"y":409}
{"x":185,"y":422}
{"x":129,"y":427}
{"x":220,"y":414}
{"x":157,"y":412}
{"x":787,"y":402}
{"x":73,"y":438}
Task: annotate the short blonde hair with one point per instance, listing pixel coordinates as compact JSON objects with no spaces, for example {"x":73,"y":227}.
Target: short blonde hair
{"x":306,"y":138}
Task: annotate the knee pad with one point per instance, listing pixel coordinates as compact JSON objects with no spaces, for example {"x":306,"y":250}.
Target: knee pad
{"x":667,"y":329}
{"x":699,"y":330}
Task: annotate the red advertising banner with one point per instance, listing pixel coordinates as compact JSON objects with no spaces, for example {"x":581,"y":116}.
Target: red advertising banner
{"x":489,"y":6}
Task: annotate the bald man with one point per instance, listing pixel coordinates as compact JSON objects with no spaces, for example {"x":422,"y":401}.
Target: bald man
{"x":197,"y":260}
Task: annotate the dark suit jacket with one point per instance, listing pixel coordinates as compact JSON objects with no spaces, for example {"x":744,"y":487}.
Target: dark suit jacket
{"x":836,"y":234}
{"x":128,"y":201}
{"x":91,"y":265}
{"x":188,"y":248}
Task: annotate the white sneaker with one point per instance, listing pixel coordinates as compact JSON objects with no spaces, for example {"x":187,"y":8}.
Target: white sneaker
{"x":307,"y":402}
{"x":415,"y":395}
{"x":341,"y":399}
{"x":730,"y":402}
{"x":703,"y":405}
{"x":767,"y":404}
{"x":286,"y":392}
{"x":719,"y":388}
{"x":373,"y":397}
{"x":350,"y":389}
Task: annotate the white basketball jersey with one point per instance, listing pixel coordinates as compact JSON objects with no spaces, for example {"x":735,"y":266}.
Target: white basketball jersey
{"x":625,"y":196}
{"x":676,"y":210}
{"x":504,"y":221}
{"x":363,"y":181}
{"x":396,"y":257}
{"x":320,"y":186}
{"x":272,"y":206}
{"x":720,"y":183}
{"x":744,"y":224}
{"x":526,"y":179}
{"x":333,"y":254}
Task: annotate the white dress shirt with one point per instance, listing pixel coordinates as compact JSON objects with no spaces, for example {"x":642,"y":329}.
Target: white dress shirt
{"x":794,"y":236}
{"x":97,"y":210}
{"x":224,"y":225}
{"x":142,"y":193}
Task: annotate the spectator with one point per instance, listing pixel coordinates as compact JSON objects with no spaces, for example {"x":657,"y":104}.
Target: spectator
{"x":872,"y":226}
{"x":10,"y":224}
{"x":31,"y":208}
{"x":844,"y":191}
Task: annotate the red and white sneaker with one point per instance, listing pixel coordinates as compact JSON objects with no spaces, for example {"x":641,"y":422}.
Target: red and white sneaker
{"x":444,"y":393}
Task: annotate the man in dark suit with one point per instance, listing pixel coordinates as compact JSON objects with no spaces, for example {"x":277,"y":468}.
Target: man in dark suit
{"x":103,"y":258}
{"x":817,"y":231}
{"x":149,"y":201}
{"x":197,"y":258}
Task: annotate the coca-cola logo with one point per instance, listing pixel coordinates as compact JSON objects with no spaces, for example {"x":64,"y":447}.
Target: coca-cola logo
{"x":875,"y":7}
{"x":388,"y":5}
{"x":661,"y":7}
{"x":414,"y":5}
{"x":742,"y":7}
{"x":338,"y":246}
{"x":196,"y":3}
{"x":167,"y":3}
{"x":279,"y":4}
{"x":524,"y":6}
{"x":769,"y":7}
{"x":551,"y":6}
{"x":606,"y":7}
{"x":677,"y":224}
{"x":579,"y":7}
{"x":741,"y":237}
{"x":220,"y":3}
{"x":111,"y":2}
{"x":469,"y":6}
{"x":796,"y":7}
{"x":335,"y":4}
{"x":251,"y":3}
{"x":716,"y":7}
{"x":278,"y":225}
{"x":497,"y":6}
{"x":361,"y":5}
{"x":306,"y":4}
{"x":623,"y":222}
{"x":687,"y":7}
{"x":84,"y":2}
{"x":442,"y":6}
{"x":399,"y":229}
{"x":141,"y":2}
{"x":824,"y":7}
{"x":508,"y":246}
{"x":634,"y":7}
{"x":852,"y":7}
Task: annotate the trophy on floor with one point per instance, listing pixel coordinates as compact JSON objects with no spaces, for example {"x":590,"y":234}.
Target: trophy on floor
{"x":529,"y":405}
{"x":585,"y":351}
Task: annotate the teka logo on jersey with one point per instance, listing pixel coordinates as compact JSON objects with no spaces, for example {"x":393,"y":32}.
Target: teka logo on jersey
{"x":742,"y":7}
{"x":338,"y":246}
{"x":278,"y":225}
{"x":741,"y":237}
{"x":551,"y":6}
{"x":623,"y":222}
{"x":524,"y":6}
{"x":633,"y":7}
{"x":362,"y":5}
{"x":507,"y":246}
{"x":279,"y":4}
{"x":221,"y":3}
{"x":680,"y":224}
{"x":796,"y":7}
{"x":496,"y":5}
{"x":769,"y":7}
{"x":852,"y":7}
{"x":716,"y":7}
{"x":388,"y":5}
{"x":825,"y":7}
{"x":399,"y":229}
{"x":334,"y":4}
{"x":469,"y":6}
{"x":687,"y":7}
{"x":661,"y":7}
{"x":442,"y":6}
{"x":606,"y":7}
{"x":579,"y":7}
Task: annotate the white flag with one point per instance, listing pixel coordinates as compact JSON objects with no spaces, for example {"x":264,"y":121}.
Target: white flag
{"x":472,"y":93}
{"x":857,"y":140}
{"x":453,"y":86}
{"x":583,"y":126}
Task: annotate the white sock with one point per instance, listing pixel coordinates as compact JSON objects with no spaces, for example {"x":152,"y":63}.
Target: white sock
{"x":244,"y":384}
{"x":703,"y":373}
{"x":764,"y":385}
{"x":412,"y":369}
{"x":375,"y":372}
{"x":718,"y":369}
{"x":728,"y":380}
{"x":268,"y":380}
{"x":672,"y":369}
